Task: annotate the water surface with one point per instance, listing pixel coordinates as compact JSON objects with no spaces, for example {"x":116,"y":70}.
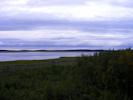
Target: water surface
{"x":12,"y":56}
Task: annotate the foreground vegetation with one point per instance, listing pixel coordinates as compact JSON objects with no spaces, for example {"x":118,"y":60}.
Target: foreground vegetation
{"x":108,"y":75}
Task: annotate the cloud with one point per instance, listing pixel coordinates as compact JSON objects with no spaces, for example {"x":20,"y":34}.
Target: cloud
{"x":126,"y":3}
{"x":66,"y":23}
{"x":71,"y":3}
{"x":56,"y":39}
{"x":84,"y":9}
{"x":123,"y":3}
{"x":103,"y":26}
{"x":55,"y":2}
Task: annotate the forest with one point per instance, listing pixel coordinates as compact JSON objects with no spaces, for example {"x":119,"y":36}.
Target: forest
{"x":107,"y":75}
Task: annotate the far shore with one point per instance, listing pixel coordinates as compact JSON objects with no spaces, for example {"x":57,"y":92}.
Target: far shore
{"x":1,"y":51}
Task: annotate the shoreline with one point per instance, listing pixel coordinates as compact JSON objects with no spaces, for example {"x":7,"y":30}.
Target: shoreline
{"x":1,"y":51}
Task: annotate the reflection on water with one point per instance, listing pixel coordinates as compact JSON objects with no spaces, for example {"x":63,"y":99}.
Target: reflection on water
{"x":39,"y":55}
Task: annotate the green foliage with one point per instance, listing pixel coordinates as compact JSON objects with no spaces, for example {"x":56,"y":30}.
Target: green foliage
{"x":108,"y":75}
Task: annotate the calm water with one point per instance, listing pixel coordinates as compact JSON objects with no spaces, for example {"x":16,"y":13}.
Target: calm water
{"x":38,"y":55}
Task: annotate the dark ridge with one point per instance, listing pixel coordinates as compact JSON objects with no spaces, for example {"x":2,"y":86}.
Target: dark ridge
{"x":78,"y":50}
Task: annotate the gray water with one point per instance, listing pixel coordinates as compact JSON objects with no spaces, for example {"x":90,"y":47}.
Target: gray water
{"x":13,"y":56}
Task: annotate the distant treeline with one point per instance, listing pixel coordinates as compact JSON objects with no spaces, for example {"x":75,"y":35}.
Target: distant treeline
{"x":108,"y":75}
{"x":82,"y":50}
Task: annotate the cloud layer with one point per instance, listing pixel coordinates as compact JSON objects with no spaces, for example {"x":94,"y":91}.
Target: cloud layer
{"x":99,"y":24}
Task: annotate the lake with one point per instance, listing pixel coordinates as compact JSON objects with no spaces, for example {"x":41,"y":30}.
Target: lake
{"x":12,"y":56}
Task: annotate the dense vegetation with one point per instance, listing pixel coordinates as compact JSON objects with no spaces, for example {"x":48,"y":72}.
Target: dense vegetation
{"x":108,"y":75}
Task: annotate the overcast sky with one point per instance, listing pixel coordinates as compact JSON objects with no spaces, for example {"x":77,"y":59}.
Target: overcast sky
{"x":66,"y":24}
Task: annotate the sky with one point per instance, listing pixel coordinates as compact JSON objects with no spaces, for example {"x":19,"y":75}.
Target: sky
{"x":66,"y":24}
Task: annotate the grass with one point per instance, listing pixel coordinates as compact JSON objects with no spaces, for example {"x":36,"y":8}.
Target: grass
{"x":32,"y":63}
